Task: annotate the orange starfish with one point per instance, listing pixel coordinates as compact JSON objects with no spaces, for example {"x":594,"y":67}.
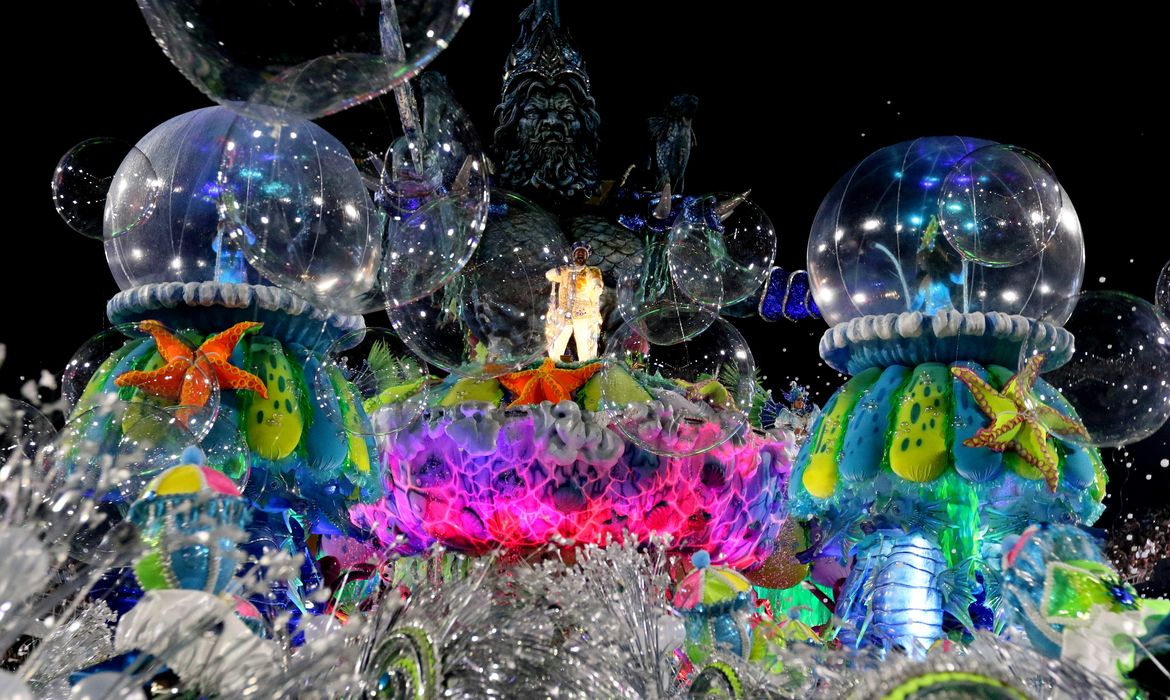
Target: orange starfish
{"x":546,"y":383}
{"x":175,"y":380}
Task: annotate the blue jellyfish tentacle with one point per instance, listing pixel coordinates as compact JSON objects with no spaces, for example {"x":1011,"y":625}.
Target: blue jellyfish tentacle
{"x":893,"y":592}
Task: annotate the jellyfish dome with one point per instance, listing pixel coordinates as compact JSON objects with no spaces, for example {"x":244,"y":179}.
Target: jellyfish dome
{"x":245,"y":202}
{"x":881,"y":268}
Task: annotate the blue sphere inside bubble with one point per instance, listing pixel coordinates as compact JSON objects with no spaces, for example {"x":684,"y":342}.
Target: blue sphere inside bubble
{"x":242,"y":201}
{"x":876,"y":246}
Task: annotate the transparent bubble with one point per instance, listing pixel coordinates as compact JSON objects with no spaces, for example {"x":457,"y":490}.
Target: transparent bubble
{"x":650,"y":295}
{"x":436,"y":194}
{"x":90,"y":358}
{"x":185,"y":240}
{"x":275,"y":59}
{"x":225,"y":447}
{"x":23,"y":430}
{"x":376,"y":373}
{"x":693,"y":250}
{"x":186,"y":386}
{"x":876,"y":246}
{"x":293,"y":201}
{"x":133,"y":195}
{"x":490,"y":319}
{"x":111,"y":451}
{"x":1118,"y":380}
{"x":104,"y":187}
{"x":1162,"y":291}
{"x":732,"y":237}
{"x":701,"y":389}
{"x":1043,"y":285}
{"x":244,"y":195}
{"x":999,"y":205}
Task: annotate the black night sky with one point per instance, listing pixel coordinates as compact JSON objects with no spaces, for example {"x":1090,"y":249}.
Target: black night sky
{"x":786,"y":107}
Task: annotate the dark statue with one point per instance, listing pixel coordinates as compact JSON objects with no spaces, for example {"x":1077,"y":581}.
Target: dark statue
{"x":672,"y":136}
{"x":546,"y":139}
{"x":546,"y":149}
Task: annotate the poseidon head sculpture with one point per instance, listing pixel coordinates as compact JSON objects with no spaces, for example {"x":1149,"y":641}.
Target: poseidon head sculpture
{"x":546,"y":138}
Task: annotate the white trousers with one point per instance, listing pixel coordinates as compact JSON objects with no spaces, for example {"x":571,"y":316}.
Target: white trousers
{"x":586,"y":330}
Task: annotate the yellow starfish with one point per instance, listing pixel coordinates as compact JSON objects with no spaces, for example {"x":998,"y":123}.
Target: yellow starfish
{"x":1019,"y":420}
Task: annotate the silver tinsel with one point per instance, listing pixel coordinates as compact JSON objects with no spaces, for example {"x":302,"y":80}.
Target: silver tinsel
{"x":599,"y":626}
{"x":987,"y":668}
{"x":85,"y":641}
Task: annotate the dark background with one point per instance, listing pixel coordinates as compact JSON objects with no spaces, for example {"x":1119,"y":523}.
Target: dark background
{"x":786,"y":107}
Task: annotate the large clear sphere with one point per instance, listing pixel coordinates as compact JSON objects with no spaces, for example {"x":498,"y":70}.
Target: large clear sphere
{"x":490,"y":319}
{"x":281,"y":60}
{"x":103,"y":187}
{"x":1000,"y":205}
{"x":247,"y":202}
{"x":876,"y":246}
{"x":701,"y":388}
{"x":1118,"y":380}
{"x":435,"y":192}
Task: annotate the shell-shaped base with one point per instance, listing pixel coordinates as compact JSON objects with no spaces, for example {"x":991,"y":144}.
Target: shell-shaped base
{"x":913,"y":338}
{"x":212,"y":306}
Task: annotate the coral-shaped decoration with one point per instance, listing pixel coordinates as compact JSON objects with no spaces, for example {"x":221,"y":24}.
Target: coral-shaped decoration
{"x":476,"y":477}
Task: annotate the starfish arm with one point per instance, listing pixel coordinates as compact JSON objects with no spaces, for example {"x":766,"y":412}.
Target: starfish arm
{"x":1001,"y":410}
{"x":222,"y":344}
{"x":193,"y":394}
{"x":1022,"y":382}
{"x":582,"y":374}
{"x":991,"y":445}
{"x":1000,"y":432}
{"x":165,"y":382}
{"x":517,"y":382}
{"x":552,"y":390}
{"x":1032,"y":445}
{"x":526,"y":394}
{"x":521,"y":383}
{"x":1059,"y":424}
{"x":232,"y":377}
{"x":169,"y":346}
{"x":973,"y":381}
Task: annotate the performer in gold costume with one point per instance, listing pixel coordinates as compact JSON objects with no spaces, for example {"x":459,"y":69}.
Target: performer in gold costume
{"x":574,"y":307}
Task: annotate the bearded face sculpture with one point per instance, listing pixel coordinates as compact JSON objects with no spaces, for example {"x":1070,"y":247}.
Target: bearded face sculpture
{"x":546,"y":141}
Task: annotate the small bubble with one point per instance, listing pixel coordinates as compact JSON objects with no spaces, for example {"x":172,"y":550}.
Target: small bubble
{"x":1101,"y":279}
